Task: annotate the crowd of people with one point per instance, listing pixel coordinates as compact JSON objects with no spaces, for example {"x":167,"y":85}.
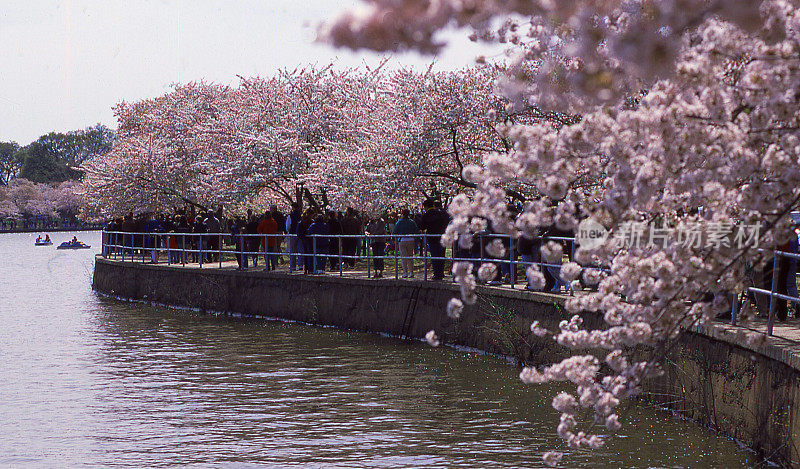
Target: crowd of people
{"x":315,"y":240}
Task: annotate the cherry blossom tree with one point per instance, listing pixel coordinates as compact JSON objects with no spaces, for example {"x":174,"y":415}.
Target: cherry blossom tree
{"x":688,"y":118}
{"x":8,"y":209}
{"x":23,"y":198}
{"x":370,"y":138}
{"x":418,"y":133}
{"x":207,"y":144}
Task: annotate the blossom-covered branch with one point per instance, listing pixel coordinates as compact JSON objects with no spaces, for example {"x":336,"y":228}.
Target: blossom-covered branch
{"x":687,"y":115}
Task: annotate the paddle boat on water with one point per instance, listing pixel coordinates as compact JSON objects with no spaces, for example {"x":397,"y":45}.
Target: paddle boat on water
{"x":43,"y":242}
{"x":74,"y":244}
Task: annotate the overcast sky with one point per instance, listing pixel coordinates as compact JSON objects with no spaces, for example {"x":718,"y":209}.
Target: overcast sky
{"x":66,"y":63}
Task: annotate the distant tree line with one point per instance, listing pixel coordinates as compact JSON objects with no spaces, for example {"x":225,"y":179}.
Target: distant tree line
{"x":54,"y":157}
{"x":39,"y":182}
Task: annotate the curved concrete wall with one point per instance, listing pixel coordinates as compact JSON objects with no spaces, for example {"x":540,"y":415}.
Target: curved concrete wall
{"x":751,"y":395}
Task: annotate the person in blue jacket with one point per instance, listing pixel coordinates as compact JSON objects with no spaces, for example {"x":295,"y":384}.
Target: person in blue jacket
{"x":320,"y":227}
{"x":403,"y":229}
{"x":151,"y":239}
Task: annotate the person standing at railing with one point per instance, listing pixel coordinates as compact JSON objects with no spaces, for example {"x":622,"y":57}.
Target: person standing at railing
{"x":376,"y":235}
{"x":791,"y":274}
{"x":269,"y":227}
{"x":252,"y":243}
{"x":404,"y":228}
{"x":335,"y":228}
{"x":151,"y":242}
{"x":127,"y":228}
{"x":318,"y":232}
{"x":280,"y":220}
{"x":434,"y":222}
{"x":237,"y":232}
{"x":172,"y":248}
{"x":214,"y":227}
{"x":308,"y":242}
{"x":391,"y":220}
{"x":554,"y":269}
{"x":525,"y":248}
{"x":351,"y":225}
{"x":786,"y":275}
{"x":198,"y":242}
{"x":110,"y":238}
{"x":511,"y":247}
{"x":183,"y":241}
{"x":294,"y":245}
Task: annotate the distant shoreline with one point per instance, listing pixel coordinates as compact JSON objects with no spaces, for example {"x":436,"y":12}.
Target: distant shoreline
{"x":53,"y":230}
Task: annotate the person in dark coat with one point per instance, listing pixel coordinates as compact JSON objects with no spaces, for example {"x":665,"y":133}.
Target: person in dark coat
{"x":295,"y":245}
{"x":151,"y":228}
{"x":183,"y":241}
{"x":351,"y":225}
{"x":198,"y":242}
{"x":237,"y":229}
{"x":307,"y":242}
{"x":213,"y":226}
{"x":128,"y":226}
{"x":434,"y":222}
{"x":321,"y":230}
{"x":376,"y":231}
{"x":253,"y":243}
{"x":335,"y":228}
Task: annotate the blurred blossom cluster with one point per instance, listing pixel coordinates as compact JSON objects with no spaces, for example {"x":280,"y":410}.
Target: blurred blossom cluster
{"x":687,"y":113}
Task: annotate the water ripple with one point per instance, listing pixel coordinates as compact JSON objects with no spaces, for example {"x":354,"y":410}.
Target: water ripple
{"x":92,"y":382}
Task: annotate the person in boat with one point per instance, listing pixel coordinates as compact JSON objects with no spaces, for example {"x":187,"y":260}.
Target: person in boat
{"x":39,"y":239}
{"x":74,"y":240}
{"x":47,"y":238}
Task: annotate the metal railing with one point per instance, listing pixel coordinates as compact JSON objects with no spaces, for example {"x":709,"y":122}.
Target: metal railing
{"x":206,"y":249}
{"x":773,"y":294}
{"x":312,"y":251}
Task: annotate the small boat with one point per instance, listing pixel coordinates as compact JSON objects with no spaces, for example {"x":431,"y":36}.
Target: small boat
{"x":43,"y":243}
{"x":73,"y":245}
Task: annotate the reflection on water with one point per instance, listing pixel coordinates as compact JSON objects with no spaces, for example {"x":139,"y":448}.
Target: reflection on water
{"x":87,"y":381}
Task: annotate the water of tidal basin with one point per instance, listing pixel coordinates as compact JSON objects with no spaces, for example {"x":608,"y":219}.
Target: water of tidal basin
{"x":93,"y":382}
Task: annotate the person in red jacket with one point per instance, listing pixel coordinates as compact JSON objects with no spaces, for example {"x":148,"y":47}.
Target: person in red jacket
{"x":268,"y":226}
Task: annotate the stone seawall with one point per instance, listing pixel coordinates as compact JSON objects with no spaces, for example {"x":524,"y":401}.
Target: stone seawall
{"x":751,"y":395}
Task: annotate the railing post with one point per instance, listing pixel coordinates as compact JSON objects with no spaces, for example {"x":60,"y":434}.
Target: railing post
{"x":453,"y":246}
{"x":314,"y":257}
{"x":396,"y":248}
{"x":425,"y":255}
{"x":123,"y":248}
{"x":266,"y":251}
{"x":482,"y":248}
{"x":183,"y":249}
{"x":369,"y":260}
{"x":219,"y":249}
{"x":200,"y":248}
{"x":291,"y":246}
{"x":340,"y":256}
{"x":734,"y":308}
{"x":512,"y":269}
{"x":771,"y":317}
